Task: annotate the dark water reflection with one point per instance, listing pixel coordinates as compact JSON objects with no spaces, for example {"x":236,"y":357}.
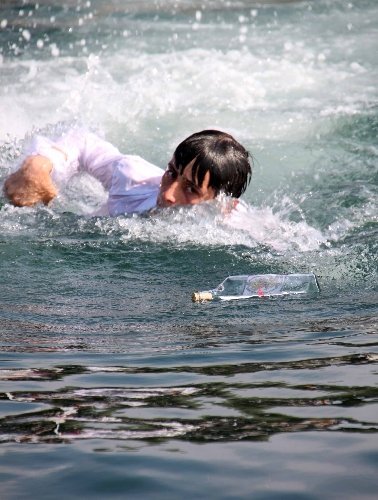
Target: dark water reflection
{"x":212,"y":399}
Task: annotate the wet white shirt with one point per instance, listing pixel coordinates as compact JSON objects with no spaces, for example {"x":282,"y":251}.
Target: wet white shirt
{"x":132,"y":182}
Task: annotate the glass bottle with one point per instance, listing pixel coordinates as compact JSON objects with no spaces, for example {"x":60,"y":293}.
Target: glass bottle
{"x":260,"y":285}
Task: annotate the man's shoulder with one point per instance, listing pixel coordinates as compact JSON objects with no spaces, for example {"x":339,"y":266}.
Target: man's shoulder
{"x":138,"y":168}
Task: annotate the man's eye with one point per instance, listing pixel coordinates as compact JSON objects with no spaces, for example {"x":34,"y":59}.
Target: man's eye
{"x":189,"y":188}
{"x":171,"y":173}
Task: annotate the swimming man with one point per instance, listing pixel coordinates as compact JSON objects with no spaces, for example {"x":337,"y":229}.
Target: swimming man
{"x":204,"y":165}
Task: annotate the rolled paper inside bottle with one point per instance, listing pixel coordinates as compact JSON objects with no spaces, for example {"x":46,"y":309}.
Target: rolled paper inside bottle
{"x":200,"y":296}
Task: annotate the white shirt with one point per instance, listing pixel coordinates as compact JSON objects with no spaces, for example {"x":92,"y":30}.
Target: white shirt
{"x":132,"y":182}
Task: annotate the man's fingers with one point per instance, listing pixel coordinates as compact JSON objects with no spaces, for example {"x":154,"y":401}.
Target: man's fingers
{"x":49,"y":195}
{"x":31,"y":184}
{"x":23,"y":192}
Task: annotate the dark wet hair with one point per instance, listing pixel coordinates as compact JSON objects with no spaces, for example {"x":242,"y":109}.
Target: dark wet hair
{"x":221,"y":155}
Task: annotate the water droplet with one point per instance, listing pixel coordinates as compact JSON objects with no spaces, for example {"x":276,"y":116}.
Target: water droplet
{"x":54,"y":50}
{"x":26,"y":34}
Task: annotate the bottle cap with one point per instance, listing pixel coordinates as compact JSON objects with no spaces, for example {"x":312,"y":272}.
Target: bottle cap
{"x":200,"y":296}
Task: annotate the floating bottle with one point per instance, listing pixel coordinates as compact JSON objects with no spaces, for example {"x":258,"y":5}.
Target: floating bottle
{"x":260,"y":285}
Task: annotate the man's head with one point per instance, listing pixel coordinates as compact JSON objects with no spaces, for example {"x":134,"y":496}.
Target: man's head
{"x":205,"y":164}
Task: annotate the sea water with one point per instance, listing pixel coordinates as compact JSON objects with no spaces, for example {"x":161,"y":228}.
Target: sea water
{"x":113,"y":383}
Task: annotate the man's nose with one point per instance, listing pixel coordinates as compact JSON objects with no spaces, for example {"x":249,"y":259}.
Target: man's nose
{"x":170,"y":195}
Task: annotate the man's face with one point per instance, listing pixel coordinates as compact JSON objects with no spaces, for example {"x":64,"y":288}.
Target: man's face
{"x":183,"y":189}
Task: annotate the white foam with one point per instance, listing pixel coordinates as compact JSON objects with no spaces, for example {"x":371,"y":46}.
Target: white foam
{"x":265,"y":226}
{"x":187,"y":89}
{"x":208,"y":225}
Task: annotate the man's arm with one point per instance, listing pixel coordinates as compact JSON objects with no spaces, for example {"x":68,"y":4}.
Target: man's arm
{"x":31,"y":183}
{"x":50,"y":163}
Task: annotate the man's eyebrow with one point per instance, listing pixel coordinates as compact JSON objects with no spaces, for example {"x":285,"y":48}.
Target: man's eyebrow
{"x":171,"y":164}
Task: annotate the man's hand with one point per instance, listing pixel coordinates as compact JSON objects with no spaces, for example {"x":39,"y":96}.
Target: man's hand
{"x":32,"y":183}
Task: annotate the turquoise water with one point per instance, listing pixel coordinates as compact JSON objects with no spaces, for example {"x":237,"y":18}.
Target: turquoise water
{"x":113,"y":383}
